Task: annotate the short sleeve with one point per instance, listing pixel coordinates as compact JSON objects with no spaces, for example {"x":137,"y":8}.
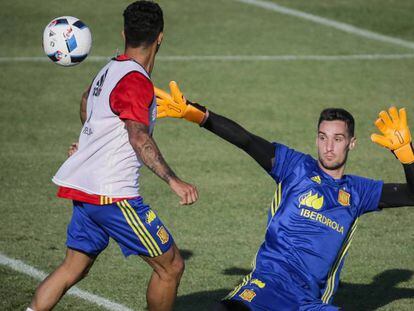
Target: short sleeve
{"x":369,"y":192}
{"x":132,"y":97}
{"x":286,"y":159}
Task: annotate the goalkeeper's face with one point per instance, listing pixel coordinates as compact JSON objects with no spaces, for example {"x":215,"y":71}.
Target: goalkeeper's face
{"x":334,"y":143}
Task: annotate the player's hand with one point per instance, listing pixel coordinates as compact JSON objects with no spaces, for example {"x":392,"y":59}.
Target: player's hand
{"x":73,"y":148}
{"x":396,"y":135}
{"x":175,"y":105}
{"x":187,"y":192}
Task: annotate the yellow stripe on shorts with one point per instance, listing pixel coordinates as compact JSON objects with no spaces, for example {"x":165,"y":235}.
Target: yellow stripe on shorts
{"x":105,"y":200}
{"x":135,"y":228}
{"x":152,"y":241}
{"x":246,"y":280}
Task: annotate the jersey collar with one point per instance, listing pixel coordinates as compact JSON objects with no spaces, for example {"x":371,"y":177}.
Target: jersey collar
{"x":124,"y":57}
{"x":329,"y":179}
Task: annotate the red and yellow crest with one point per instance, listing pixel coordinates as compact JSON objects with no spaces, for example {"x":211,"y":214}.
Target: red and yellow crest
{"x":247,"y":295}
{"x":344,"y":198}
{"x":163,"y":235}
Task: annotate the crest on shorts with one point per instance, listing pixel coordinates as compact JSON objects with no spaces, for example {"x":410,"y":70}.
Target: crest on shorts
{"x":163,"y":235}
{"x":247,"y":295}
{"x":344,"y":198}
{"x":150,"y":217}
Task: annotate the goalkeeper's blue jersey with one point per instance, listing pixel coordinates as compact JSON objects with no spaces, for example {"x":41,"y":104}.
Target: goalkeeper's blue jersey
{"x":312,"y":221}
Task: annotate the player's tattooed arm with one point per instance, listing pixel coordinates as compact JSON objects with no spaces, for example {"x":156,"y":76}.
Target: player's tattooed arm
{"x":261,"y":150}
{"x":147,"y":150}
{"x":82,"y":113}
{"x":397,"y":195}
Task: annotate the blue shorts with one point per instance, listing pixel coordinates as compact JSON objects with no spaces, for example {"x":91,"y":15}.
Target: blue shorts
{"x":133,"y":225}
{"x":264,"y":292}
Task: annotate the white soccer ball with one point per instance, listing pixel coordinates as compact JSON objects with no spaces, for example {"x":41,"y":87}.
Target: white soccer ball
{"x":67,"y":40}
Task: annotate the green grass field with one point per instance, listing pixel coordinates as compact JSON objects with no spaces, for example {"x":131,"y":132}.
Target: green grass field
{"x":279,"y":100}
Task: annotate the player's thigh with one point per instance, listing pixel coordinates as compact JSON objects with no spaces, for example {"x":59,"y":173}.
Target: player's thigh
{"x":263,"y":292}
{"x":136,"y":228}
{"x":83,"y":233}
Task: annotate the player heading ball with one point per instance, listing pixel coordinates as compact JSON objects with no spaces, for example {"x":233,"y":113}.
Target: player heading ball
{"x":101,"y":176}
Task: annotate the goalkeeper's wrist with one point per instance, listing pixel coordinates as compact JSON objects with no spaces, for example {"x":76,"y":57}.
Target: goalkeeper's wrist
{"x":195,"y":113}
{"x":405,"y":154}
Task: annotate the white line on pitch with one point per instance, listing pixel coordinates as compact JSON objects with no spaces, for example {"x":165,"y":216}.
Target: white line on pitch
{"x":21,"y":267}
{"x":247,"y":58}
{"x":328,"y":22}
{"x":285,"y":57}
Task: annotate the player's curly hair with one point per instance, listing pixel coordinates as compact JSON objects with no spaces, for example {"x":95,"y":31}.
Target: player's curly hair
{"x":333,"y":114}
{"x":143,"y":22}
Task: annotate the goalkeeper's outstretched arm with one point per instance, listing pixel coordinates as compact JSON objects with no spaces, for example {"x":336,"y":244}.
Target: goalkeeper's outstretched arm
{"x":257,"y":147}
{"x":175,"y":105}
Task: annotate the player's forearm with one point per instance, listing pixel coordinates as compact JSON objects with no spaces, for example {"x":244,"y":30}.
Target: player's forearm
{"x":151,"y":156}
{"x":409,"y":175}
{"x":258,"y":148}
{"x":82,"y":111}
{"x":147,"y":150}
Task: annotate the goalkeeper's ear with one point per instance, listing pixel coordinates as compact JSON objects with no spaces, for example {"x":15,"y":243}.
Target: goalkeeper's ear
{"x":352,"y":144}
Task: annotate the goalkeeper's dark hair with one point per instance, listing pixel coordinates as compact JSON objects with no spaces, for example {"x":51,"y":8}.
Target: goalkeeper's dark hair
{"x":333,"y":114}
{"x":143,"y":22}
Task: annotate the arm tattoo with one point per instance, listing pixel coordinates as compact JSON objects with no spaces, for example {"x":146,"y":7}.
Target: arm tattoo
{"x":147,"y":150}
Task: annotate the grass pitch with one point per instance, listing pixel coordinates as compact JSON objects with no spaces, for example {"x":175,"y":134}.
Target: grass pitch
{"x":277,"y":100}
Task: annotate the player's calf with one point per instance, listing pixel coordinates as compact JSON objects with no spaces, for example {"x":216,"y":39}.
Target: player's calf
{"x":162,"y":288}
{"x":74,"y":268}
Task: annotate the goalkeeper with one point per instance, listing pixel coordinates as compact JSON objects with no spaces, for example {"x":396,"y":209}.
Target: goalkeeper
{"x":315,"y":210}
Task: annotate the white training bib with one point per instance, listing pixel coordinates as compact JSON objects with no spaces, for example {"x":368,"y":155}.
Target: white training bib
{"x":105,"y":163}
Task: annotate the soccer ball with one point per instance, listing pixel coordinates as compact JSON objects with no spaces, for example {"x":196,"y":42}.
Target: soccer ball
{"x":67,"y":40}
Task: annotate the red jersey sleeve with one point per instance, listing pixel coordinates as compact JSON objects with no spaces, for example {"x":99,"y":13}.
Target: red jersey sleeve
{"x":132,"y":97}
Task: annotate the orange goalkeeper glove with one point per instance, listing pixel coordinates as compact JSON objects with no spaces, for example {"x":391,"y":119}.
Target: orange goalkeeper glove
{"x":176,"y":106}
{"x":396,"y":135}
